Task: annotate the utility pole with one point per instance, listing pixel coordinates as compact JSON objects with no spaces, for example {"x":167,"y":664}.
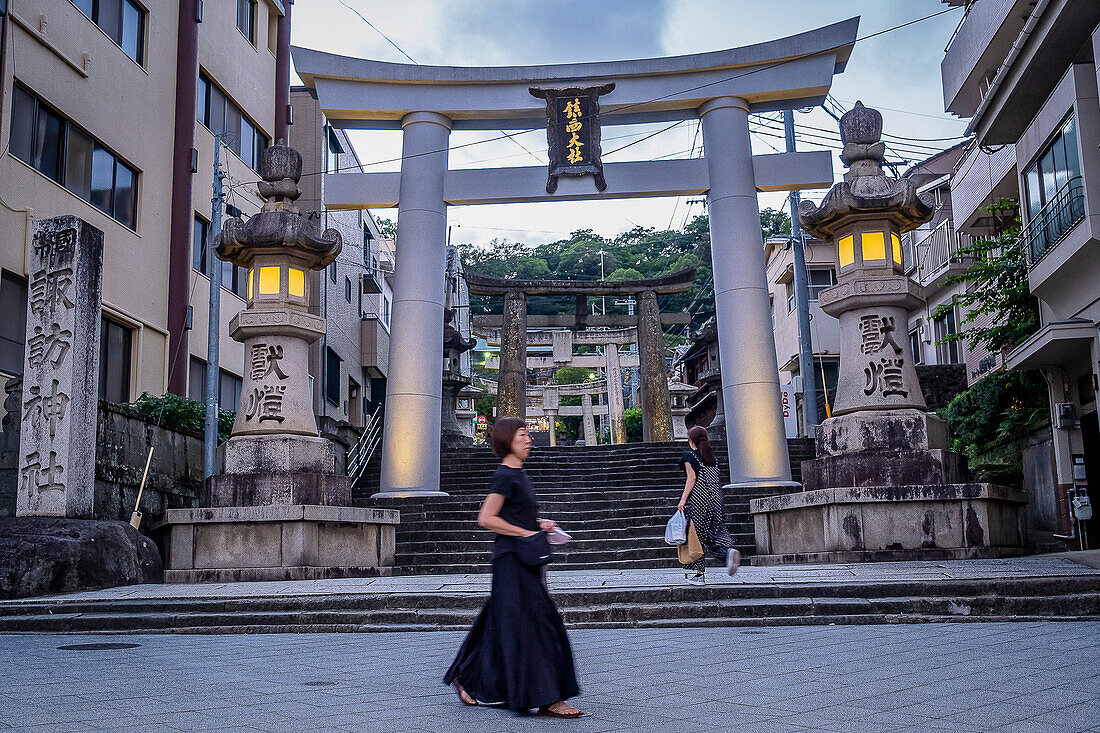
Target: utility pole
{"x":802,"y":300}
{"x":213,"y":371}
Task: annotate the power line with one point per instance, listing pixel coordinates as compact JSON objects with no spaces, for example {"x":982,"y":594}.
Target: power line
{"x":623,"y":108}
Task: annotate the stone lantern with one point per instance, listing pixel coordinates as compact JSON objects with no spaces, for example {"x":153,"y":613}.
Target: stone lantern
{"x":884,"y":485}
{"x":277,"y":509}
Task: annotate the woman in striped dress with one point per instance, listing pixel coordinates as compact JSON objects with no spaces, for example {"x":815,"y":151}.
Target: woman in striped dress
{"x":704,"y":505}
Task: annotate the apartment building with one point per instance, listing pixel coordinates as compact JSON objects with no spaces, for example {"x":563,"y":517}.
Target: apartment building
{"x":108,"y":111}
{"x":824,"y":329}
{"x":1025,"y":73}
{"x":350,"y":362}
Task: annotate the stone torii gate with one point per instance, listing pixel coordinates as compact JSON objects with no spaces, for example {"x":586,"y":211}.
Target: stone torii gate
{"x":720,"y":89}
{"x":651,"y":343}
{"x":562,"y":343}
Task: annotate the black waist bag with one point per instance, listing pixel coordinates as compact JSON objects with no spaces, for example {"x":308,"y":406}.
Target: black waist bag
{"x":533,"y":551}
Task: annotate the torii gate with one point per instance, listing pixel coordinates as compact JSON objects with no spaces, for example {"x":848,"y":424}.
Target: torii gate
{"x":719,"y":88}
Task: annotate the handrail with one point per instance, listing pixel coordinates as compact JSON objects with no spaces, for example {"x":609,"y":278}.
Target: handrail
{"x":941,"y":247}
{"x":364,"y":450}
{"x":1061,"y":214}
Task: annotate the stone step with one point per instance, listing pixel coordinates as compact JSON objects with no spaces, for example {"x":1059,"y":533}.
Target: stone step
{"x":729,"y":605}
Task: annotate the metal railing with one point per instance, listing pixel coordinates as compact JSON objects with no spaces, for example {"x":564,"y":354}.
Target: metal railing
{"x":1055,"y":220}
{"x":939,"y":249}
{"x":360,"y":455}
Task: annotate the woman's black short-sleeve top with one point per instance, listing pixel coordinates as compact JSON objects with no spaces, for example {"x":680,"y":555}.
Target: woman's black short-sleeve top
{"x":691,"y":458}
{"x":520,"y":506}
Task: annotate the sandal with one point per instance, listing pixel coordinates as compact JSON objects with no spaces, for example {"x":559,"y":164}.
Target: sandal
{"x":546,"y":712}
{"x":463,"y":695}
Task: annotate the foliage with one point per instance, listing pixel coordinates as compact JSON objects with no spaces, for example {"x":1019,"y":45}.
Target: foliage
{"x":632,"y":417}
{"x":173,"y":411}
{"x":485,"y":405}
{"x":774,"y":222}
{"x":998,"y":305}
{"x":572,"y":375}
{"x":635,"y":254}
{"x":1001,"y":408}
{"x":387,"y":228}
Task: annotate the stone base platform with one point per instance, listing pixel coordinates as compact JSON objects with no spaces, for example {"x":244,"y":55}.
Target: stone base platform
{"x":280,"y":542}
{"x":915,"y":522}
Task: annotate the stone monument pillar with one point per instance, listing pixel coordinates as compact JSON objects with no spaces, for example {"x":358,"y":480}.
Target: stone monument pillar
{"x":60,"y":540}
{"x":679,"y":393}
{"x":884,"y":485}
{"x":614,"y":394}
{"x":61,"y":371}
{"x":512,"y":384}
{"x":551,"y":403}
{"x":588,"y":421}
{"x":277,"y":510}
{"x":656,"y":418}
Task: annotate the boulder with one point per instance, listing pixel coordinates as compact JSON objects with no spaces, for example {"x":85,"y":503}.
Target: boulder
{"x":47,"y":555}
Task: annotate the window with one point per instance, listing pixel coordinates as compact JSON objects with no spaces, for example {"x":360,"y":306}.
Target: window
{"x":65,"y":153}
{"x":386,"y":310}
{"x":122,"y":20}
{"x":229,"y":390}
{"x":199,"y":254}
{"x":915,"y":344}
{"x":333,"y":152}
{"x":246,"y":19}
{"x":332,"y":271}
{"x":947,"y":352}
{"x":1058,"y":165}
{"x":347,"y":288}
{"x":332,"y":377}
{"x":114,"y":361}
{"x":220,"y":114}
{"x":196,"y":379}
{"x":819,"y":279}
{"x":13,"y":326}
{"x":234,"y":278}
{"x":790,"y":295}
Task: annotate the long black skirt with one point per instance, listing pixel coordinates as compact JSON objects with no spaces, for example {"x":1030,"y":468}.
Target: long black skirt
{"x":517,"y":652}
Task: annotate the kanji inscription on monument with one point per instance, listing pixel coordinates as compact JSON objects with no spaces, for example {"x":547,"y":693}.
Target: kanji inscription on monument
{"x":60,"y":391}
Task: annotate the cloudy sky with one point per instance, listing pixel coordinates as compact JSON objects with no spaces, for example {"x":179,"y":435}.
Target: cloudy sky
{"x":898,"y":72}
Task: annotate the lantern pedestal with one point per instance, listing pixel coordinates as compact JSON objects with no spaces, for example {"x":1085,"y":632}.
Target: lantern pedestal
{"x":277,"y":510}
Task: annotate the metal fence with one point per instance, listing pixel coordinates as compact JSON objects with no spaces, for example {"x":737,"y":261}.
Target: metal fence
{"x":1055,"y":220}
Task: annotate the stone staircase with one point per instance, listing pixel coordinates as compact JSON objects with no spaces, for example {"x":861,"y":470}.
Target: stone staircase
{"x":764,"y":604}
{"x":613,"y":500}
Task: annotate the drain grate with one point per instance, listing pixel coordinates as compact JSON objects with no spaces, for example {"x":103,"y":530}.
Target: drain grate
{"x":97,"y":647}
{"x":754,"y":631}
{"x":319,"y":683}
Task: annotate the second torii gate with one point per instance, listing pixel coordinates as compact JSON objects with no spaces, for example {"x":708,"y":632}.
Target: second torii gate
{"x":720,"y":89}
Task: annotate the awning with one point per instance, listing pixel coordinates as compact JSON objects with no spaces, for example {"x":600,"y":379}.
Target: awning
{"x":1061,"y":344}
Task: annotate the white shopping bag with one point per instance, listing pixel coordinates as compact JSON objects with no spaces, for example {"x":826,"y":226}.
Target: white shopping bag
{"x":676,"y":531}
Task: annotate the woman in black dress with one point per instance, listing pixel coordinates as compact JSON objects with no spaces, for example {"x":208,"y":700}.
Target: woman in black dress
{"x":517,"y":652}
{"x":704,"y":506}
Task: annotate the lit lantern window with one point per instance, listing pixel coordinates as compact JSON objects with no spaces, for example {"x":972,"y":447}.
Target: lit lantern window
{"x":296,"y":282}
{"x":846,"y":250}
{"x":874,"y":246}
{"x":896,"y":245}
{"x":251,"y":276}
{"x":269,"y":281}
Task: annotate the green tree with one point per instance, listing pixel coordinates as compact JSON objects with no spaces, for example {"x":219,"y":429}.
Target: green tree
{"x":998,"y":304}
{"x":388,"y":228}
{"x":632,"y":418}
{"x":774,"y":222}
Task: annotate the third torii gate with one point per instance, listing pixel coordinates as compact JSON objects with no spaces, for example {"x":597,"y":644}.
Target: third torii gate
{"x":720,"y":89}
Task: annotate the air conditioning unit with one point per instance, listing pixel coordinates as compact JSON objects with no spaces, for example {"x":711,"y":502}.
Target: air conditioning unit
{"x":926,"y":332}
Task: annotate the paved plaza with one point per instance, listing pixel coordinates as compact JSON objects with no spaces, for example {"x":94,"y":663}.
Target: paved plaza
{"x":1033,"y":677}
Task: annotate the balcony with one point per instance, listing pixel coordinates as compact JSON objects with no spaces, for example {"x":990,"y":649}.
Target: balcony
{"x":1055,"y":220}
{"x":375,"y":340}
{"x":938,"y":255}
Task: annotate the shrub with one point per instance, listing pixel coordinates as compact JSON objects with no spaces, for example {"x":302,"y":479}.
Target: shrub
{"x":173,"y":411}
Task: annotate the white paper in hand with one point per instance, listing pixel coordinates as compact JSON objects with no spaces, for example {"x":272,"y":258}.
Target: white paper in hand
{"x":557,"y":537}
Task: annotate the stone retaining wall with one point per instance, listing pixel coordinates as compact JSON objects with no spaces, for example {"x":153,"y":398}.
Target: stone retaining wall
{"x":123,"y":437}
